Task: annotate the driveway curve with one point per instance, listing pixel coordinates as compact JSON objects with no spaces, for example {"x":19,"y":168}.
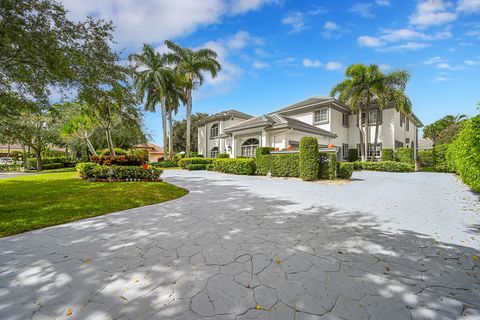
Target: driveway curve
{"x":384,"y":246}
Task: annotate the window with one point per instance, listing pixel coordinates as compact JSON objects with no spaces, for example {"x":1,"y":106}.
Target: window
{"x":344,"y":151}
{"x":370,"y":150}
{"x":320,"y":116}
{"x":214,"y":130}
{"x":372,"y":117}
{"x":249,"y":147}
{"x":345,"y":119}
{"x":408,"y":125}
{"x":295,"y":145}
{"x":407,"y":140}
{"x":214,"y":152}
{"x":402,"y":119}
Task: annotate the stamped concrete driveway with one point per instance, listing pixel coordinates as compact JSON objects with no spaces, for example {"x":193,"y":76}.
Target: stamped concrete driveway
{"x":385,"y":246}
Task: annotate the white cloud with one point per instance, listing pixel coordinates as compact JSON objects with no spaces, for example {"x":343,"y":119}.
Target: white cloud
{"x":257,"y":64}
{"x":333,"y":65}
{"x":311,"y":63}
{"x":433,"y":60}
{"x":385,"y":67}
{"x":472,"y":62}
{"x":409,"y":46}
{"x":383,"y":2}
{"x":443,"y":65}
{"x":368,"y":41}
{"x":469,"y":6}
{"x":153,"y":21}
{"x":430,"y":13}
{"x":330,"y":26}
{"x":441,"y":79}
{"x":330,"y":29}
{"x":241,"y":39}
{"x":363,"y":9}
{"x":295,"y":20}
{"x":287,"y":62}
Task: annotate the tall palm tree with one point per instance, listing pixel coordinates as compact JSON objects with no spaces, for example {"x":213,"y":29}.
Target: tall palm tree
{"x":365,"y":86}
{"x":456,"y":119}
{"x":174,"y":95}
{"x":192,"y":63}
{"x":152,"y":77}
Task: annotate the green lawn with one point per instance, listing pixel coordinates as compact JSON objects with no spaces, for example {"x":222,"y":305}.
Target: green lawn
{"x":46,"y":199}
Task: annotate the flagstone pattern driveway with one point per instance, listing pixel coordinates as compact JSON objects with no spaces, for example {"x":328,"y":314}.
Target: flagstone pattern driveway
{"x":379,"y":247}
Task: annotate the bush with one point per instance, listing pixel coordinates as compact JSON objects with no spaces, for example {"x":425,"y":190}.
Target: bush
{"x":223,"y":156}
{"x":345,"y":170}
{"x":426,"y":158}
{"x":183,"y":163}
{"x":279,"y":165}
{"x":352,"y":155}
{"x":388,"y":166}
{"x":32,"y":162}
{"x":124,"y":172}
{"x":50,"y":166}
{"x":308,"y":159}
{"x":405,"y":155}
{"x":118,"y":152}
{"x":10,"y":167}
{"x":196,"y":155}
{"x":440,"y":159}
{"x":196,"y":167}
{"x":164,"y":164}
{"x":261,"y":151}
{"x":245,"y":166}
{"x":84,"y":169}
{"x":464,"y":153}
{"x":327,"y":166}
{"x":209,"y":167}
{"x":388,"y":155}
{"x":126,"y":160}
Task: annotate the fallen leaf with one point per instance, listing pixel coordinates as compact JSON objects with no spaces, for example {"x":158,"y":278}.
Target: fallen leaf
{"x":124,"y":298}
{"x":69,"y":312}
{"x":87,"y":260}
{"x":474,"y":257}
{"x":258,"y":307}
{"x":278,"y":261}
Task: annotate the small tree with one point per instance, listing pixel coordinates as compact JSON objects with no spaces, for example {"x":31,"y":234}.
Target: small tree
{"x":308,"y":164}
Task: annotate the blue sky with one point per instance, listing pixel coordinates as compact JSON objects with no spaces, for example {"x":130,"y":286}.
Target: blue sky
{"x":277,"y":52}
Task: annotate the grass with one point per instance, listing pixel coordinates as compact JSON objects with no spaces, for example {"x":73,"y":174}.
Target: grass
{"x":47,"y":199}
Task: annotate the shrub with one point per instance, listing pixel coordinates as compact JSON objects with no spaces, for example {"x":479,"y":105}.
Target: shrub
{"x":388,"y":155}
{"x":196,"y":167}
{"x":465,"y":153}
{"x":388,"y":166}
{"x":245,"y":166}
{"x":279,"y":165}
{"x":223,"y":156}
{"x":352,"y":155}
{"x":196,"y":155}
{"x":124,"y":172}
{"x":426,"y":158}
{"x":183,"y":163}
{"x":164,"y":164}
{"x":440,"y":159}
{"x":209,"y":167}
{"x":84,"y":169}
{"x":141,"y":153}
{"x":345,"y":170}
{"x":32,"y":162}
{"x":50,"y":166}
{"x":118,"y":152}
{"x":10,"y":167}
{"x":126,"y":160}
{"x":263,"y":151}
{"x":327,"y":166}
{"x":405,"y":155}
{"x":308,"y":158}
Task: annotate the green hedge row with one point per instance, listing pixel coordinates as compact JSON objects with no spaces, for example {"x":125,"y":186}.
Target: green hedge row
{"x":405,"y":155}
{"x":327,"y":168}
{"x":441,"y":163}
{"x":425,"y":157}
{"x":308,"y":159}
{"x":183,"y":163}
{"x":62,"y":161}
{"x":261,"y":151}
{"x":279,"y":165}
{"x":388,"y":166}
{"x":164,"y":164}
{"x":388,"y":154}
{"x":244,"y":166}
{"x":93,"y":170}
{"x":10,"y":167}
{"x":223,"y":156}
{"x":193,"y":167}
{"x":352,"y":155}
{"x":345,"y":170}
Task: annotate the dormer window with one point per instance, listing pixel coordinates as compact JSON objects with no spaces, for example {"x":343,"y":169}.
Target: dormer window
{"x":214,"y":131}
{"x":320,"y":116}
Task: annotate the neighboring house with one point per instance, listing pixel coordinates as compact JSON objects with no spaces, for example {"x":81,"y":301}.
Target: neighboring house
{"x":425,"y":144}
{"x":325,"y":118}
{"x":155,"y":153}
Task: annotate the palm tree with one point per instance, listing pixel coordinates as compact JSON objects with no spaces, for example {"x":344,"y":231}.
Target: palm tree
{"x":151,"y":81}
{"x":192,"y":63}
{"x":456,"y":119}
{"x":174,"y":95}
{"x":367,"y":85}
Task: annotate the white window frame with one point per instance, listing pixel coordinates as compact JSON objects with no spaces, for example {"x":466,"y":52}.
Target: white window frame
{"x":344,"y":151}
{"x":214,"y":130}
{"x":249,"y":148}
{"x":214,"y":152}
{"x":320,"y":116}
{"x":370,"y":150}
{"x":345,"y":116}
{"x":294,"y":144}
{"x":402,"y":119}
{"x":372,"y":117}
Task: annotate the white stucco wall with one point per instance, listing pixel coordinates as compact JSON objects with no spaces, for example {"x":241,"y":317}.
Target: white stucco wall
{"x":337,"y":127}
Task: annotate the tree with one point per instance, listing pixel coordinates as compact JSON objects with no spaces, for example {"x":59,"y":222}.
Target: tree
{"x":173,"y":97}
{"x":152,"y":79}
{"x":367,"y":85}
{"x":440,"y":127}
{"x":179,"y":133}
{"x":192,"y":63}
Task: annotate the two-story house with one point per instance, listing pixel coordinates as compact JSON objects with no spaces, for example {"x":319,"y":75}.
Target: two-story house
{"x":325,"y":118}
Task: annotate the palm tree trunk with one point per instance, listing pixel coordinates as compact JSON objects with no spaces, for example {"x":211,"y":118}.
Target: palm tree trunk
{"x":362,"y":149}
{"x":189,"y":121}
{"x":164,"y":124}
{"x":110,"y":142}
{"x":170,"y":136}
{"x":377,"y":124}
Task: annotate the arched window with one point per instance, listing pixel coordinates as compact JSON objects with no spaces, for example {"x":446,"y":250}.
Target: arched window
{"x":214,"y":130}
{"x":249,"y":147}
{"x":214,"y":152}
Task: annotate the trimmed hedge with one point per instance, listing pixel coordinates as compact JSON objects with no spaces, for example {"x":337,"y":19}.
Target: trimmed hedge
{"x":426,"y":158}
{"x":327,"y":166}
{"x":279,"y":165}
{"x":93,"y":170}
{"x":388,"y":166}
{"x":388,"y":155}
{"x":352,"y":155}
{"x":244,"y":166}
{"x":84,"y":169}
{"x":183,"y":163}
{"x":32,"y":162}
{"x":345,"y":170}
{"x":192,"y":167}
{"x":10,"y":167}
{"x":261,"y":151}
{"x":464,"y":153}
{"x":209,"y":167}
{"x":440,"y":159}
{"x":123,"y":160}
{"x":308,"y":159}
{"x":118,"y":152}
{"x":164,"y":164}
{"x":404,"y":155}
{"x":50,"y":166}
{"x":223,"y":156}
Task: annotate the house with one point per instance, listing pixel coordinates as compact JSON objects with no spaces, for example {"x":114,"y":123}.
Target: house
{"x":325,"y":118}
{"x":155,"y":153}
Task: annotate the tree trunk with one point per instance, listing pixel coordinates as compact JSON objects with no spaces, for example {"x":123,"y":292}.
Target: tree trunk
{"x":110,"y":142}
{"x":38,"y":155}
{"x":164,"y":125}
{"x":363,"y":136}
{"x":8,"y":150}
{"x":189,"y":121}
{"x":377,"y":123}
{"x":90,"y":146}
{"x":170,"y":136}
